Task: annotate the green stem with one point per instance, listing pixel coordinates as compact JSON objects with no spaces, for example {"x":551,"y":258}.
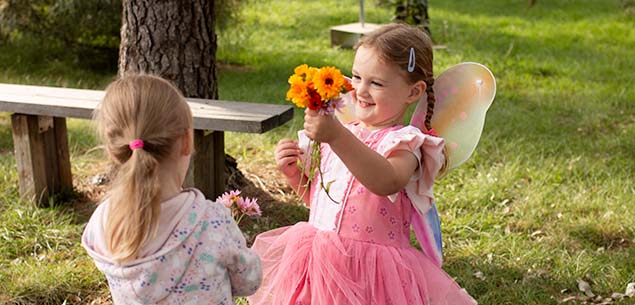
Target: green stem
{"x":316,"y":157}
{"x":240,"y":218}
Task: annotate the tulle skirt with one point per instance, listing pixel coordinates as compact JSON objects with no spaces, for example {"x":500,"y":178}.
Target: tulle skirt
{"x":303,"y":265}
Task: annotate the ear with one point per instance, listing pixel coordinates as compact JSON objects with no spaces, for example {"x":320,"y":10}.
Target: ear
{"x":417,"y":91}
{"x":187,"y":142}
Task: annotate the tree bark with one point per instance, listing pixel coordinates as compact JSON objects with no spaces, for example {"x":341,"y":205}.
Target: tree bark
{"x":176,"y":39}
{"x":414,"y":12}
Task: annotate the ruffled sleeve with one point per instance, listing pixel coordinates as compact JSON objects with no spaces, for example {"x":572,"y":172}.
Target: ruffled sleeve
{"x":429,"y":152}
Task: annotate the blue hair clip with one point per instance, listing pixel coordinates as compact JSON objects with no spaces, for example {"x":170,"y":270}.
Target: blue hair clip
{"x":411,"y":60}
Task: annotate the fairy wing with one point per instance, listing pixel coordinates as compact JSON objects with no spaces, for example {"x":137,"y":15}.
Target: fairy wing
{"x":463,"y":95}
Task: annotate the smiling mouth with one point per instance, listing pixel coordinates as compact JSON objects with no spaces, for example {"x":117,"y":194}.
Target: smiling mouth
{"x":365,"y":104}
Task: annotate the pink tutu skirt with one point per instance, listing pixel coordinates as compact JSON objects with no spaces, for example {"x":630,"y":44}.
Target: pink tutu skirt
{"x":303,"y":265}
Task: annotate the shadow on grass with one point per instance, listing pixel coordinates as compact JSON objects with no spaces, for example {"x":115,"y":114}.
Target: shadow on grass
{"x":275,"y":212}
{"x":594,"y":237}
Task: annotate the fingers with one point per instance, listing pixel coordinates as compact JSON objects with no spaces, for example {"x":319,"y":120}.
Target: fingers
{"x":285,"y":163}
{"x":287,"y":144}
{"x":322,"y":128}
{"x":286,"y":152}
{"x":310,"y":112}
{"x":286,"y":155}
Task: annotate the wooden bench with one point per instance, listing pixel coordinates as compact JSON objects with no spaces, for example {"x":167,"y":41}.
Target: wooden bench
{"x":41,"y":143}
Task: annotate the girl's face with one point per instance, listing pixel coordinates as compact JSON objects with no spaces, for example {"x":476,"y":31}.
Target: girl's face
{"x":381,"y":94}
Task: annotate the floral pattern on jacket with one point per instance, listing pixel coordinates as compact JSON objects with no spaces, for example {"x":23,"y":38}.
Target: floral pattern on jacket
{"x":203,"y":260}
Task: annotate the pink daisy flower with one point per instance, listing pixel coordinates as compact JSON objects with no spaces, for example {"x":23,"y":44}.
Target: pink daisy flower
{"x":229,"y":198}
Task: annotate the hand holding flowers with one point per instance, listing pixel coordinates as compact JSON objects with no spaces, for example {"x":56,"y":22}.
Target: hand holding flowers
{"x":321,"y":90}
{"x":321,"y":128}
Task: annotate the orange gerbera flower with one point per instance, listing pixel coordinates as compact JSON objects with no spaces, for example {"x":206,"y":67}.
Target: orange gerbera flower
{"x":298,"y":94}
{"x":328,"y":82}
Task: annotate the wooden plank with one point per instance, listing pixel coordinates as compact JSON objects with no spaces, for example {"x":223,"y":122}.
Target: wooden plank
{"x":81,"y":108}
{"x":218,"y":159}
{"x":51,"y":168}
{"x":208,"y":114}
{"x":62,"y":153}
{"x":207,"y":167}
{"x":42,"y":158}
{"x":30,"y":157}
{"x":68,"y":93}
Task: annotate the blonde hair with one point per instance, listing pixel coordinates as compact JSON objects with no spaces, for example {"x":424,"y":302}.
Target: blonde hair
{"x":393,"y":43}
{"x":151,"y":109}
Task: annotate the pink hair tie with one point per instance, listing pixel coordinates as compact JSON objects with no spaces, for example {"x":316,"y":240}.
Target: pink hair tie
{"x":134,"y":144}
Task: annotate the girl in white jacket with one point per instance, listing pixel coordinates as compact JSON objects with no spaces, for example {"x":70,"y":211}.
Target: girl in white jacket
{"x":156,"y":242}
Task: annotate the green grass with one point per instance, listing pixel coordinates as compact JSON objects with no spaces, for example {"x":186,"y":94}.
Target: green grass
{"x":547,"y":198}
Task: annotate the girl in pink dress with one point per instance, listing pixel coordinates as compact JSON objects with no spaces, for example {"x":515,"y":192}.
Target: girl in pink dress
{"x":356,"y":249}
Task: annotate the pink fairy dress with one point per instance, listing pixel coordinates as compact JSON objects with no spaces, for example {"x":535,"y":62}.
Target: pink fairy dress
{"x":356,"y":249}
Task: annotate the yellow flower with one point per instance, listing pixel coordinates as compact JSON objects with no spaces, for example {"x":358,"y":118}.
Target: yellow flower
{"x":310,"y":74}
{"x":305,"y":72}
{"x":298,"y":94}
{"x":301,"y":69}
{"x":295,"y":79}
{"x":328,"y":82}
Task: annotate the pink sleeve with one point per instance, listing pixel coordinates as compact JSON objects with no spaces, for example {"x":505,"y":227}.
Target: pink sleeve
{"x":429,"y":152}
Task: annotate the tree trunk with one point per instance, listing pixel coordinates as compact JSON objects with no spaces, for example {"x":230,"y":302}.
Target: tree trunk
{"x":414,"y":12}
{"x":175,"y":39}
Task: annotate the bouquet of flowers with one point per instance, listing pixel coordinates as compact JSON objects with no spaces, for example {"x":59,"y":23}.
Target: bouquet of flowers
{"x":239,"y":206}
{"x":322,"y":90}
{"x":319,"y":89}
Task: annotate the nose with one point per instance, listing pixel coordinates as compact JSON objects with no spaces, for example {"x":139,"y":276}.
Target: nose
{"x":361,"y":89}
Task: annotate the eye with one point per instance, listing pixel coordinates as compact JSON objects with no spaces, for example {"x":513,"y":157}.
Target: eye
{"x":376,"y":84}
{"x":356,"y":77}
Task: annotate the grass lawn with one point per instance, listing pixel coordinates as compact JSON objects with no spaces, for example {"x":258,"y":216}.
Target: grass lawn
{"x":546,"y":201}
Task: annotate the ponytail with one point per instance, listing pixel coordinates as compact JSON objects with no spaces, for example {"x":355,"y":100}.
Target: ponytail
{"x":133,"y":211}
